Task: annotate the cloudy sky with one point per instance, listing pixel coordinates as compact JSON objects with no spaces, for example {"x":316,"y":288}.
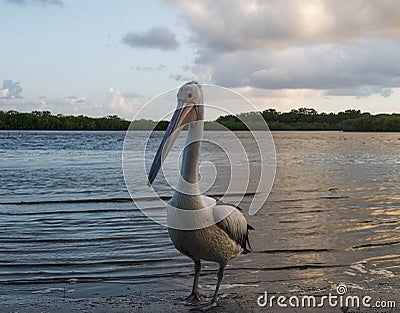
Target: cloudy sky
{"x":98,"y":57}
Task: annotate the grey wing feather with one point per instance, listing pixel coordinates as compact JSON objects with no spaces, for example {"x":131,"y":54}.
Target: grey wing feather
{"x":235,"y":225}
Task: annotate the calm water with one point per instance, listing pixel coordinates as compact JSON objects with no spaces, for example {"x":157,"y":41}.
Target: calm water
{"x":66,"y":219}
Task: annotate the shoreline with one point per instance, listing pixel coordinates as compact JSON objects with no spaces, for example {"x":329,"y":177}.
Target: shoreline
{"x":231,"y":300}
{"x":239,"y":293}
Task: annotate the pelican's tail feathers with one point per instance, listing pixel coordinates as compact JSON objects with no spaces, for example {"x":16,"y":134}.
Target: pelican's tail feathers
{"x":247,"y":242}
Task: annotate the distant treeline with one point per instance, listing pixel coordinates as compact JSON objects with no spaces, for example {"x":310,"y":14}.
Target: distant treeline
{"x":310,"y":119}
{"x":301,"y":119}
{"x":43,"y":120}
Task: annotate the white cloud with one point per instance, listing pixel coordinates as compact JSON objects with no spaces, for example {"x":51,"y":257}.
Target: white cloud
{"x":118,"y":103}
{"x":74,"y":100}
{"x":160,"y":67}
{"x":121,"y":105}
{"x":369,"y":65}
{"x":340,"y":47}
{"x":10,"y":90}
{"x":181,"y":78}
{"x":245,"y":25}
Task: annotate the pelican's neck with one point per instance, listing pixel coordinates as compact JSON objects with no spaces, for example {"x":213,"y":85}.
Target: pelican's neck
{"x":189,"y":178}
{"x":187,"y":194}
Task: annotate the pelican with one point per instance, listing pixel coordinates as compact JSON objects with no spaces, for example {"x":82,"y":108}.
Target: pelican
{"x":227,"y":237}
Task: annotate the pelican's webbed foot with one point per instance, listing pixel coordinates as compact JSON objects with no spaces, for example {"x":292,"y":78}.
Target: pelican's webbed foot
{"x":193,"y":299}
{"x":204,"y":306}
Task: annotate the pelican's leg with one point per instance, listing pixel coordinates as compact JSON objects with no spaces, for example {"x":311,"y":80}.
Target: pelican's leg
{"x":195,"y":297}
{"x":214,"y":299}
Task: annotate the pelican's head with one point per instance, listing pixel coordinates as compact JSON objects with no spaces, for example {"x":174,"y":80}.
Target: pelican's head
{"x":189,"y":109}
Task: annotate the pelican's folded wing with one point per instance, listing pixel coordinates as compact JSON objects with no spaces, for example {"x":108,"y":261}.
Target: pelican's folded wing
{"x":232,"y":221}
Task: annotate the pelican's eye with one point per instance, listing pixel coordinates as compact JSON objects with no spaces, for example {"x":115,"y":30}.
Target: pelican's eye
{"x":190,"y":96}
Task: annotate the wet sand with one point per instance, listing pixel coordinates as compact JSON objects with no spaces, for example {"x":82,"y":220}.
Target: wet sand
{"x":361,"y":280}
{"x":233,"y":300}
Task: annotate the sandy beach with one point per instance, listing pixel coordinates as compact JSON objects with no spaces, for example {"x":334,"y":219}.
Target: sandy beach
{"x":360,"y":281}
{"x":232,"y":300}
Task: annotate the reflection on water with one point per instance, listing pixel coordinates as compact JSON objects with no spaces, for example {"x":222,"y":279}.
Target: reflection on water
{"x":332,"y":216}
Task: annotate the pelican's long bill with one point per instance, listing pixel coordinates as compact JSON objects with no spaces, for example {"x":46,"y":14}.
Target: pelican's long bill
{"x":181,"y":117}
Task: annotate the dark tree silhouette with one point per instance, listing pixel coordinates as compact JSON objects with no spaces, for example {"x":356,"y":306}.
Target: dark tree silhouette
{"x":296,"y":119}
